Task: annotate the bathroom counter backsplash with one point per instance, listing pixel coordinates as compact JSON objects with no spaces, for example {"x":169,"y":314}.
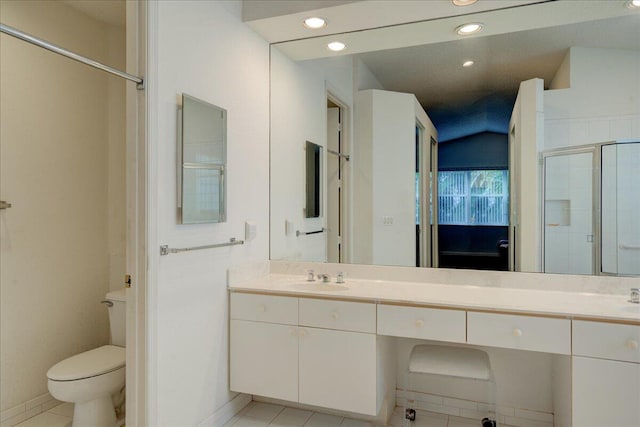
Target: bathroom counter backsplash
{"x":584,"y":297}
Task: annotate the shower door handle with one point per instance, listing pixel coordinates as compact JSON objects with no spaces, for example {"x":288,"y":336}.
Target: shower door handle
{"x":4,"y":205}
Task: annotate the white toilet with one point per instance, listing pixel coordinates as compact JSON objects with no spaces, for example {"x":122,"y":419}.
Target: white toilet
{"x":90,"y":379}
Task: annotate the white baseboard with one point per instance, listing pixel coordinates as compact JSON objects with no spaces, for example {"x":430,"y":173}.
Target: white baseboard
{"x":24,"y":411}
{"x":228,"y":411}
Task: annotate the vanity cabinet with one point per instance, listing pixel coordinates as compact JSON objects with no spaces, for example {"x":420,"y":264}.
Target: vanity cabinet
{"x":605,"y":374}
{"x":264,"y":345}
{"x":316,"y":352}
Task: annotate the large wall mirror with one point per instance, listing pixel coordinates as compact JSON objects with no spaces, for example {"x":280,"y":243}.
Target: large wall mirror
{"x":476,"y":151}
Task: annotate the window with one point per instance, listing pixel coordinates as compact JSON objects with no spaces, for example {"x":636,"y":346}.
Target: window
{"x":473,"y":197}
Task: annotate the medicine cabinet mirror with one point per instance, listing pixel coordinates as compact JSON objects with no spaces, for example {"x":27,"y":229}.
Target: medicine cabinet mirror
{"x":202,"y":158}
{"x":313,"y":173}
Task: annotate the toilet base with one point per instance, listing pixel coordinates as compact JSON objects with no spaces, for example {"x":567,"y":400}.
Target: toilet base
{"x":94,"y":413}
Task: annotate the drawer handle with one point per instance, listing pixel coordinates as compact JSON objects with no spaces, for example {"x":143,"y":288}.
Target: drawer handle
{"x":303,"y":333}
{"x":335,"y":315}
{"x":419,"y":323}
{"x":517,"y":332}
{"x":262,"y":308}
{"x":632,"y":345}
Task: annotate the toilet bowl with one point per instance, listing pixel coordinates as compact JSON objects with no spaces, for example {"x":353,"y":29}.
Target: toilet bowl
{"x":91,"y":379}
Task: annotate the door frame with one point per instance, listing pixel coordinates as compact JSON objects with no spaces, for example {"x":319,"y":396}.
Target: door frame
{"x":345,"y":193}
{"x":136,"y":169}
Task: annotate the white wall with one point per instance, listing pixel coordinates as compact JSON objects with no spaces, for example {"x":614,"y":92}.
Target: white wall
{"x":203,"y":49}
{"x":384,"y":176}
{"x":602,"y":102}
{"x":62,"y":156}
{"x":526,"y":136}
{"x":298,"y":114}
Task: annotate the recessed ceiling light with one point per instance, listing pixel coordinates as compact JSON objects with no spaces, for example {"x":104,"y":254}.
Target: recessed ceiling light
{"x":315,"y":22}
{"x":633,"y":4}
{"x":463,"y":2}
{"x":336,"y":46}
{"x":467,"y":63}
{"x":470,"y":28}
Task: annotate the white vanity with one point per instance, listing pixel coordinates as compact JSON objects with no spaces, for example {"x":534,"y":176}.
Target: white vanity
{"x":332,"y":346}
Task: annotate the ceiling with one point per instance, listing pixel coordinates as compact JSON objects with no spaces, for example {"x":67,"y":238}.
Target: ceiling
{"x":425,"y":57}
{"x":434,"y":72}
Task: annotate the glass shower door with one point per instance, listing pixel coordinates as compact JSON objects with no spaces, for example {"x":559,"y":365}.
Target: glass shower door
{"x":620,"y":208}
{"x":568,"y":212}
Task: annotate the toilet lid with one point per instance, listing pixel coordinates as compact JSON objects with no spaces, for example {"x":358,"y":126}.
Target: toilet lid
{"x":91,"y":363}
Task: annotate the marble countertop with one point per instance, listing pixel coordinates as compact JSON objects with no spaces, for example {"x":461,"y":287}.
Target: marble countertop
{"x":576,"y":305}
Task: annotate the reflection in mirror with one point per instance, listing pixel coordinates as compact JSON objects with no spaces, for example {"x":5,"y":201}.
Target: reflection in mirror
{"x":313,"y":179}
{"x":546,"y":76}
{"x":202,"y":145}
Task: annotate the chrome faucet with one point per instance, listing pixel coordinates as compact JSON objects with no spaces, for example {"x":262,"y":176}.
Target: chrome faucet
{"x":325,"y":278}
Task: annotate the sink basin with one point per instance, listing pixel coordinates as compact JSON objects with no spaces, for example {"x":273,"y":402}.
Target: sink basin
{"x":319,"y":287}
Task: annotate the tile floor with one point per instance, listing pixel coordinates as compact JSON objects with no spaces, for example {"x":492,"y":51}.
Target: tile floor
{"x":58,"y":416}
{"x":257,"y":414}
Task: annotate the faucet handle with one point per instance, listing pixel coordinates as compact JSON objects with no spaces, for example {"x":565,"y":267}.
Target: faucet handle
{"x":340,"y":277}
{"x":635,"y":296}
{"x":310,"y":276}
{"x":325,"y":277}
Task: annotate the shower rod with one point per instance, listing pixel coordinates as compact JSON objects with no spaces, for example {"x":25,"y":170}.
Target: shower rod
{"x":64,"y":52}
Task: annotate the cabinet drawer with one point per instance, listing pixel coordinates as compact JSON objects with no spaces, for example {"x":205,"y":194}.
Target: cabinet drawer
{"x":264,"y":308}
{"x":606,"y":341}
{"x":425,"y":323}
{"x":519,"y":332}
{"x":342,"y":315}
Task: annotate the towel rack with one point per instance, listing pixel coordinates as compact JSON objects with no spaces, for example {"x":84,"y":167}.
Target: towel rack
{"x":305,"y":233}
{"x":166,"y":250}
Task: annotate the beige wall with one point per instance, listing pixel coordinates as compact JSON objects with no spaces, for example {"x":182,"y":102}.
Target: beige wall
{"x":62,"y":169}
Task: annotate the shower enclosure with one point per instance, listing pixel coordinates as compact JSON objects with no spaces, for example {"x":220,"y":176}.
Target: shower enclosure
{"x":591,"y":199}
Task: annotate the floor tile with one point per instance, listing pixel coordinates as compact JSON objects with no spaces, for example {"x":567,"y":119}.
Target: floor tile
{"x":349,"y":422}
{"x":66,"y":409}
{"x":47,"y":419}
{"x":263,"y":411}
{"x":291,"y":417}
{"x":323,"y":420}
{"x":250,"y":422}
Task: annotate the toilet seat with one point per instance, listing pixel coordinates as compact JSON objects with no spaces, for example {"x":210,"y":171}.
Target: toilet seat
{"x":89,"y":364}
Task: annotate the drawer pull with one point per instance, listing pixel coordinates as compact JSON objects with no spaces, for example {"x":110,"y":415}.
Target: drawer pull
{"x":303,"y":333}
{"x":419,"y":323}
{"x":335,"y":315}
{"x":517,"y":332}
{"x":632,"y":345}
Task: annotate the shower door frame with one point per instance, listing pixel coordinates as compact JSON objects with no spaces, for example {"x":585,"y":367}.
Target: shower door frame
{"x":596,"y":202}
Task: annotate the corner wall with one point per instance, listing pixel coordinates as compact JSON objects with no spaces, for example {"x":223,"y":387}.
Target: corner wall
{"x":202,"y":49}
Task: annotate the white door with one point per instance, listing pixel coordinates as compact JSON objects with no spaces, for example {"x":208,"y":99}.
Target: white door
{"x":263,"y":359}
{"x":338,"y":370}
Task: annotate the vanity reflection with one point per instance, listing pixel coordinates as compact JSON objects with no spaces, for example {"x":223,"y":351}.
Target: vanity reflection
{"x":428,"y":163}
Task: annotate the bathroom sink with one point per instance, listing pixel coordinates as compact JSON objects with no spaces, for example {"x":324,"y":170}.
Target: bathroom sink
{"x":319,"y":287}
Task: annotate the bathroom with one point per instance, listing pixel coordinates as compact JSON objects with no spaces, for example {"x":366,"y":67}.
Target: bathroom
{"x":186,"y":316}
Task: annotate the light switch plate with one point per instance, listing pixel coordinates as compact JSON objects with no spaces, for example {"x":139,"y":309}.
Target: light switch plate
{"x":249,"y":231}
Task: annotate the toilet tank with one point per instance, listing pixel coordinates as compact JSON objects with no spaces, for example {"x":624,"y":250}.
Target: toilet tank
{"x":118,"y":316}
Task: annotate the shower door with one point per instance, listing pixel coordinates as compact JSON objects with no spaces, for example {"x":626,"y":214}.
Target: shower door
{"x":569,"y":236}
{"x":620,"y":208}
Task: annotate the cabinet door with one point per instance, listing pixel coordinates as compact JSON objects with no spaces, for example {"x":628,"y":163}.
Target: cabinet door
{"x":338,"y":370}
{"x":605,"y":393}
{"x":264,"y":359}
